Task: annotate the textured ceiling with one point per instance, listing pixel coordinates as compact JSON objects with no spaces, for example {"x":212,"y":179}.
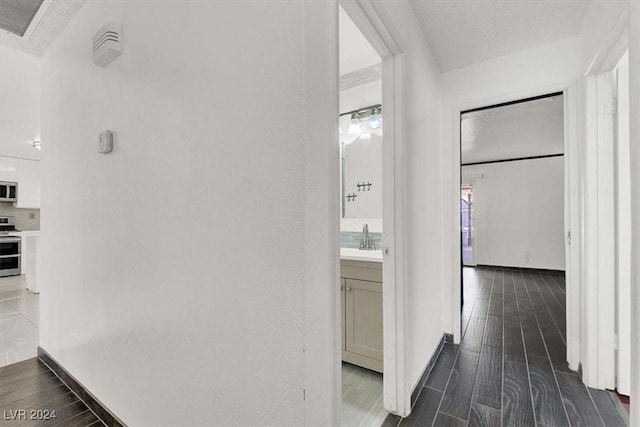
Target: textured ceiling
{"x":465,"y":32}
{"x":527,"y":129}
{"x":57,"y":17}
{"x":355,"y":51}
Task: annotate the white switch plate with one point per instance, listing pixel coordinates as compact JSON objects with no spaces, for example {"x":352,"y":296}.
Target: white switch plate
{"x":105,"y":142}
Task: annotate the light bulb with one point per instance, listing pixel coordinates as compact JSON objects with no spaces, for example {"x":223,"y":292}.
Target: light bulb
{"x":354,"y":126}
{"x":374,"y":120}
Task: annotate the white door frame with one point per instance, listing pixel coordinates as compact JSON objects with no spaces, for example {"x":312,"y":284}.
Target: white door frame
{"x":571,"y":206}
{"x":599,"y":312}
{"x":370,"y":20}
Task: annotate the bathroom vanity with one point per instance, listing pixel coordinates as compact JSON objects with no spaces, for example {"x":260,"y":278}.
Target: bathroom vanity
{"x":361,"y":295}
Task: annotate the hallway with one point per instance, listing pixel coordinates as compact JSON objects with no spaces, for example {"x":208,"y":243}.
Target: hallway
{"x":510,"y":367}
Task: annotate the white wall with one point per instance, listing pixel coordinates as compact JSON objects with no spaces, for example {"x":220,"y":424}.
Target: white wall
{"x":598,"y":27}
{"x":19,"y":103}
{"x":538,"y":70}
{"x":518,"y":210}
{"x":423,"y":284}
{"x":176,"y":285}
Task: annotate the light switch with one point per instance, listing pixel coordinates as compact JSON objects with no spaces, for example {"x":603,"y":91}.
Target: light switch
{"x":105,"y":142}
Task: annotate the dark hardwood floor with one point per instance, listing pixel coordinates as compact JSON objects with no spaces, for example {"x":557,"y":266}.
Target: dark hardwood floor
{"x":510,"y":368}
{"x":32,"y":395}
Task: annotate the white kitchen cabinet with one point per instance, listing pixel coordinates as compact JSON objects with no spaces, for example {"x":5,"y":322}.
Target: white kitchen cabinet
{"x":361,"y":284}
{"x":8,"y":169}
{"x":28,"y":184}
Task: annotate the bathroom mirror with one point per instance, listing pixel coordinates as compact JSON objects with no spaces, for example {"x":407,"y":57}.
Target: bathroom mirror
{"x":361,"y":169}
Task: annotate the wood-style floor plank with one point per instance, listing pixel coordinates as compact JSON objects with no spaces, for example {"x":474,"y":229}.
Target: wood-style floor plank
{"x":577,"y":401}
{"x":483,"y":416}
{"x":444,"y":420}
{"x":86,"y":418}
{"x":457,"y":396}
{"x":534,"y":345}
{"x":425,"y":409}
{"x":442,"y":369}
{"x":472,"y":338}
{"x":493,"y":332}
{"x":607,"y":408}
{"x":547,"y":402}
{"x":517,"y":409}
{"x":513,"y":345}
{"x":488,"y":388}
{"x":31,"y":385}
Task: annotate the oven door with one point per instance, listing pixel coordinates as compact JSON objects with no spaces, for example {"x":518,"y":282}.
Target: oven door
{"x":10,"y":256}
{"x":10,"y":246}
{"x":10,"y":265}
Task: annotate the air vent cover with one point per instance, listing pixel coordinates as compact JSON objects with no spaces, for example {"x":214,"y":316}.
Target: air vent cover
{"x":107,"y":44}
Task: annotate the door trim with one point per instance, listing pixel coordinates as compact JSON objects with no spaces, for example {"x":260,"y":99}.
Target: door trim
{"x":571,"y":206}
{"x":371,"y":21}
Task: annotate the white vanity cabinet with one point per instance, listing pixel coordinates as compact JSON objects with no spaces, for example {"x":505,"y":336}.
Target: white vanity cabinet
{"x":361,"y":295}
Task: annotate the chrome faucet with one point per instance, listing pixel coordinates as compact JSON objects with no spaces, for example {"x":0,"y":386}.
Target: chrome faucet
{"x":366,"y":242}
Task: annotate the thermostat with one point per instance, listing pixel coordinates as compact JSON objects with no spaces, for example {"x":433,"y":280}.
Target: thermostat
{"x":105,"y":142}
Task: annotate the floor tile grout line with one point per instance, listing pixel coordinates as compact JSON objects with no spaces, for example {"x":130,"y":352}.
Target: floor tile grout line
{"x":551,"y":311}
{"x":486,"y":320}
{"x":526,"y":358}
{"x":588,"y":394}
{"x":550,"y":314}
{"x":562,"y":304}
{"x":446,"y":386}
{"x":553,"y":371}
{"x":456,"y":359}
{"x":502,"y":382}
{"x":20,"y":312}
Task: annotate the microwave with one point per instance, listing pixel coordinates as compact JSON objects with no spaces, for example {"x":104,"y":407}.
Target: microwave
{"x":8,"y":191}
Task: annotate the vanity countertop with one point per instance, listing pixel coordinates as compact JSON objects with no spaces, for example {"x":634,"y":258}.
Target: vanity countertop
{"x":353,"y":254}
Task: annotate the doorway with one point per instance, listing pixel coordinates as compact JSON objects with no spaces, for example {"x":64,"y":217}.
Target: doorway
{"x":515,"y":295}
{"x":361,"y":202}
{"x":466,"y":223}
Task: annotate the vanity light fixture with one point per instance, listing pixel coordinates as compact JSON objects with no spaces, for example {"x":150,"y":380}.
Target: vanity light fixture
{"x":354,"y":126}
{"x":374,"y":119}
{"x":37,"y":144}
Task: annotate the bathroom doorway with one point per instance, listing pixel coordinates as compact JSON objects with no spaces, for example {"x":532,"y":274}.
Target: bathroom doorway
{"x":361,"y":207}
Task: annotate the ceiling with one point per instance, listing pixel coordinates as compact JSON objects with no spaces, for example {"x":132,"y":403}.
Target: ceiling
{"x":526,"y":129}
{"x":57,"y":17}
{"x":355,"y":51}
{"x":465,"y":32}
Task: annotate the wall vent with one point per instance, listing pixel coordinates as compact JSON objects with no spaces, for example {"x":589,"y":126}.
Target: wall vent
{"x":107,"y":44}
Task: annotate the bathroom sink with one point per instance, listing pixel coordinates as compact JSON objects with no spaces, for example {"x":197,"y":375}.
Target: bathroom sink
{"x":355,"y":254}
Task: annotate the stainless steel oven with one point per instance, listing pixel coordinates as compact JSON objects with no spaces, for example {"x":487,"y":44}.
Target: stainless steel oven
{"x":10,"y":255}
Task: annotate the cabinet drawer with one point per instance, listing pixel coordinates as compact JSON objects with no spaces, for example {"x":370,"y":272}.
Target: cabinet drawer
{"x":361,"y":270}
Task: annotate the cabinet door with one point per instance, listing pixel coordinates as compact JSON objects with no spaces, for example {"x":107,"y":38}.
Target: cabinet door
{"x":364,"y":318}
{"x":343,"y":303}
{"x":8,"y":169}
{"x":28,"y":184}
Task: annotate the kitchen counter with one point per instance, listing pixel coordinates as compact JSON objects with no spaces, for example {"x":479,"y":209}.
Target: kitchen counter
{"x":353,"y":254}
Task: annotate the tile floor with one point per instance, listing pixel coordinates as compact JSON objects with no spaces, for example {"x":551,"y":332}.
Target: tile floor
{"x":510,"y":368}
{"x":361,"y":397}
{"x":18,"y":321}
